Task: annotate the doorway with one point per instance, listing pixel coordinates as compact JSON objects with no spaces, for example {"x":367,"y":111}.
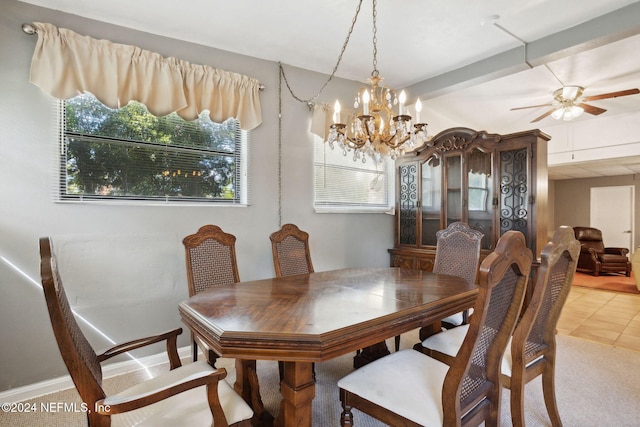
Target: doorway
{"x":612,"y":212}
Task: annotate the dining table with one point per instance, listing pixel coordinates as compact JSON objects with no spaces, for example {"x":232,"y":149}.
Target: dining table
{"x":308,"y":318}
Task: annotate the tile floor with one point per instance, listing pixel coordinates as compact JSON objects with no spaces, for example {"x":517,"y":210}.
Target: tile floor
{"x":611,"y":318}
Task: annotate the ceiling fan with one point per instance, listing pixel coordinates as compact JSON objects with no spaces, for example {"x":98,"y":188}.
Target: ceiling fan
{"x":568,"y":103}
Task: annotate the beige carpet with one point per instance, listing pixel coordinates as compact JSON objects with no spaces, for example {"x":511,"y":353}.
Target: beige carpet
{"x":597,"y":385}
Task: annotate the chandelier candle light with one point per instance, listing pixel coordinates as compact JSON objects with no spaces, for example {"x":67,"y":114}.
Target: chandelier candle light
{"x":377,"y":131}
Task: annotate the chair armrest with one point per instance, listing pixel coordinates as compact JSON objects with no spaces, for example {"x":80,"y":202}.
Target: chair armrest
{"x":589,"y":252}
{"x":170,"y":337}
{"x":616,"y":251}
{"x":118,"y":404}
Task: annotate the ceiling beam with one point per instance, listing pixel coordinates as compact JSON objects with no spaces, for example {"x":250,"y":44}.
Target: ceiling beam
{"x":605,"y":29}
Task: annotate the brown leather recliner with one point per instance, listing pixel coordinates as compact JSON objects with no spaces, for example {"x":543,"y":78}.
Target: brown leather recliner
{"x":595,"y":258}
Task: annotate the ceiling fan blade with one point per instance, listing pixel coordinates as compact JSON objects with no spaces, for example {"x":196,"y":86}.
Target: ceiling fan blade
{"x":611,"y":95}
{"x":591,"y":109}
{"x":531,"y":106}
{"x":543,"y":116}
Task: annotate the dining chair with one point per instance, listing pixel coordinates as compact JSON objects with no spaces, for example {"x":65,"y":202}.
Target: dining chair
{"x":211,"y":261}
{"x":532,"y":350}
{"x":290,"y":247}
{"x":457,"y":254}
{"x":291,"y":256}
{"x":409,"y":388}
{"x":195,"y":394}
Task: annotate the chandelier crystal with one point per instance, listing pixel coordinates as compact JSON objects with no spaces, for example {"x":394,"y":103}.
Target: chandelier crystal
{"x":382,"y":127}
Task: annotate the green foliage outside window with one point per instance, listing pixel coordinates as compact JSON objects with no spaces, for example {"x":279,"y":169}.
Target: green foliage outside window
{"x":128,"y":153}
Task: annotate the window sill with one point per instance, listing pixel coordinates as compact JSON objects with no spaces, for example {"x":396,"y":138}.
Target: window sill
{"x":352,"y":209}
{"x":151,"y":203}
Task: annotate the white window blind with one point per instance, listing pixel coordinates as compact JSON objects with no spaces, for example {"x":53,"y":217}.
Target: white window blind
{"x":129,"y":154}
{"x":345,"y":185}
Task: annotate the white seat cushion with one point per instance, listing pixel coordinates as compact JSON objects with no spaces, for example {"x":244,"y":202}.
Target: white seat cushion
{"x":407,"y":382}
{"x":455,"y":320}
{"x":449,"y":342}
{"x":189,"y":408}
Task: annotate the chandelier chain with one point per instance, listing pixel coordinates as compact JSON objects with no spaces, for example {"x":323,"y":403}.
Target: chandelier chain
{"x":335,"y":68}
{"x":375,"y":71}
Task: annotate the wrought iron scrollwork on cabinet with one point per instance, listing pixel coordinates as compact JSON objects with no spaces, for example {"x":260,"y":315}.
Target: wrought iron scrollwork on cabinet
{"x":408,"y":202}
{"x":495,"y":183}
{"x":514,"y":209}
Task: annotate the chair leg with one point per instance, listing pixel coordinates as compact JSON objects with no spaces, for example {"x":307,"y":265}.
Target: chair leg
{"x":397,"y":342}
{"x":346,"y":417}
{"x":212,"y":357}
{"x":256,"y":400}
{"x":549,"y":392}
{"x":194,"y":351}
{"x":517,"y":400}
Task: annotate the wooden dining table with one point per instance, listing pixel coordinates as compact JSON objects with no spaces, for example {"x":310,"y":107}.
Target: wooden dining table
{"x":315,"y":317}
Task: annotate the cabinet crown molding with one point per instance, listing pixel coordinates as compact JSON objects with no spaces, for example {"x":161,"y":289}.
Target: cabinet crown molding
{"x":457,"y":139}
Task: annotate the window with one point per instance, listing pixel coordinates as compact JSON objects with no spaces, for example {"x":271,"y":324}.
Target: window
{"x":431,"y":185}
{"x":478,"y":191}
{"x":129,"y":154}
{"x":342,"y":184}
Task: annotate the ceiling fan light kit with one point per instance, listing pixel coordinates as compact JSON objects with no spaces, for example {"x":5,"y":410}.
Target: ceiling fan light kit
{"x":568,"y":103}
{"x":565,"y":103}
{"x":567,"y":113}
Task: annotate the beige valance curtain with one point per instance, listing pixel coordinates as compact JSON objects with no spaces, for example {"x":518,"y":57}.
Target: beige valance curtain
{"x":321,"y":120}
{"x":66,"y":64}
{"x":479,"y":162}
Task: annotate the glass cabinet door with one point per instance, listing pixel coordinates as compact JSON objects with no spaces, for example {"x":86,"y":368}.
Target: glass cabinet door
{"x":453,"y":189}
{"x":431,"y":199}
{"x":408,"y":204}
{"x":480,"y":195}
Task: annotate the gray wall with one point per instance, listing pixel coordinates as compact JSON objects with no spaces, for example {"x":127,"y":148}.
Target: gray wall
{"x":572,"y":200}
{"x":123,"y":265}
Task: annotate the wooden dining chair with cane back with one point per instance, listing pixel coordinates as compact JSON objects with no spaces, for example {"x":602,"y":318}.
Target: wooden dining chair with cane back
{"x":210,"y":261}
{"x":532,"y":351}
{"x":457,"y":254}
{"x":195,"y":394}
{"x":290,"y":248}
{"x":409,"y":388}
{"x":291,"y":256}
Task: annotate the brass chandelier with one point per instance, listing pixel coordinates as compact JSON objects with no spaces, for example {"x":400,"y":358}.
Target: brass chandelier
{"x":382,"y":128}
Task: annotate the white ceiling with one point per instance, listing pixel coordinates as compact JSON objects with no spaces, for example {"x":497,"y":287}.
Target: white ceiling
{"x":424,"y":46}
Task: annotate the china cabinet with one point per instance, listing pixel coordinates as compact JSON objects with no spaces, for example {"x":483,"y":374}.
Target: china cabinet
{"x":492,"y":182}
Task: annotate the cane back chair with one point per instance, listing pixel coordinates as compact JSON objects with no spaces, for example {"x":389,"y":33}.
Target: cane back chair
{"x":291,"y":256}
{"x":211,"y":261}
{"x":290,"y":247}
{"x":532,"y":350}
{"x":408,"y":388}
{"x":457,"y":254}
{"x":195,"y":394}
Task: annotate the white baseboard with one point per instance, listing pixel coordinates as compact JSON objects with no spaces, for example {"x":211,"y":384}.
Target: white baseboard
{"x":53,"y":385}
